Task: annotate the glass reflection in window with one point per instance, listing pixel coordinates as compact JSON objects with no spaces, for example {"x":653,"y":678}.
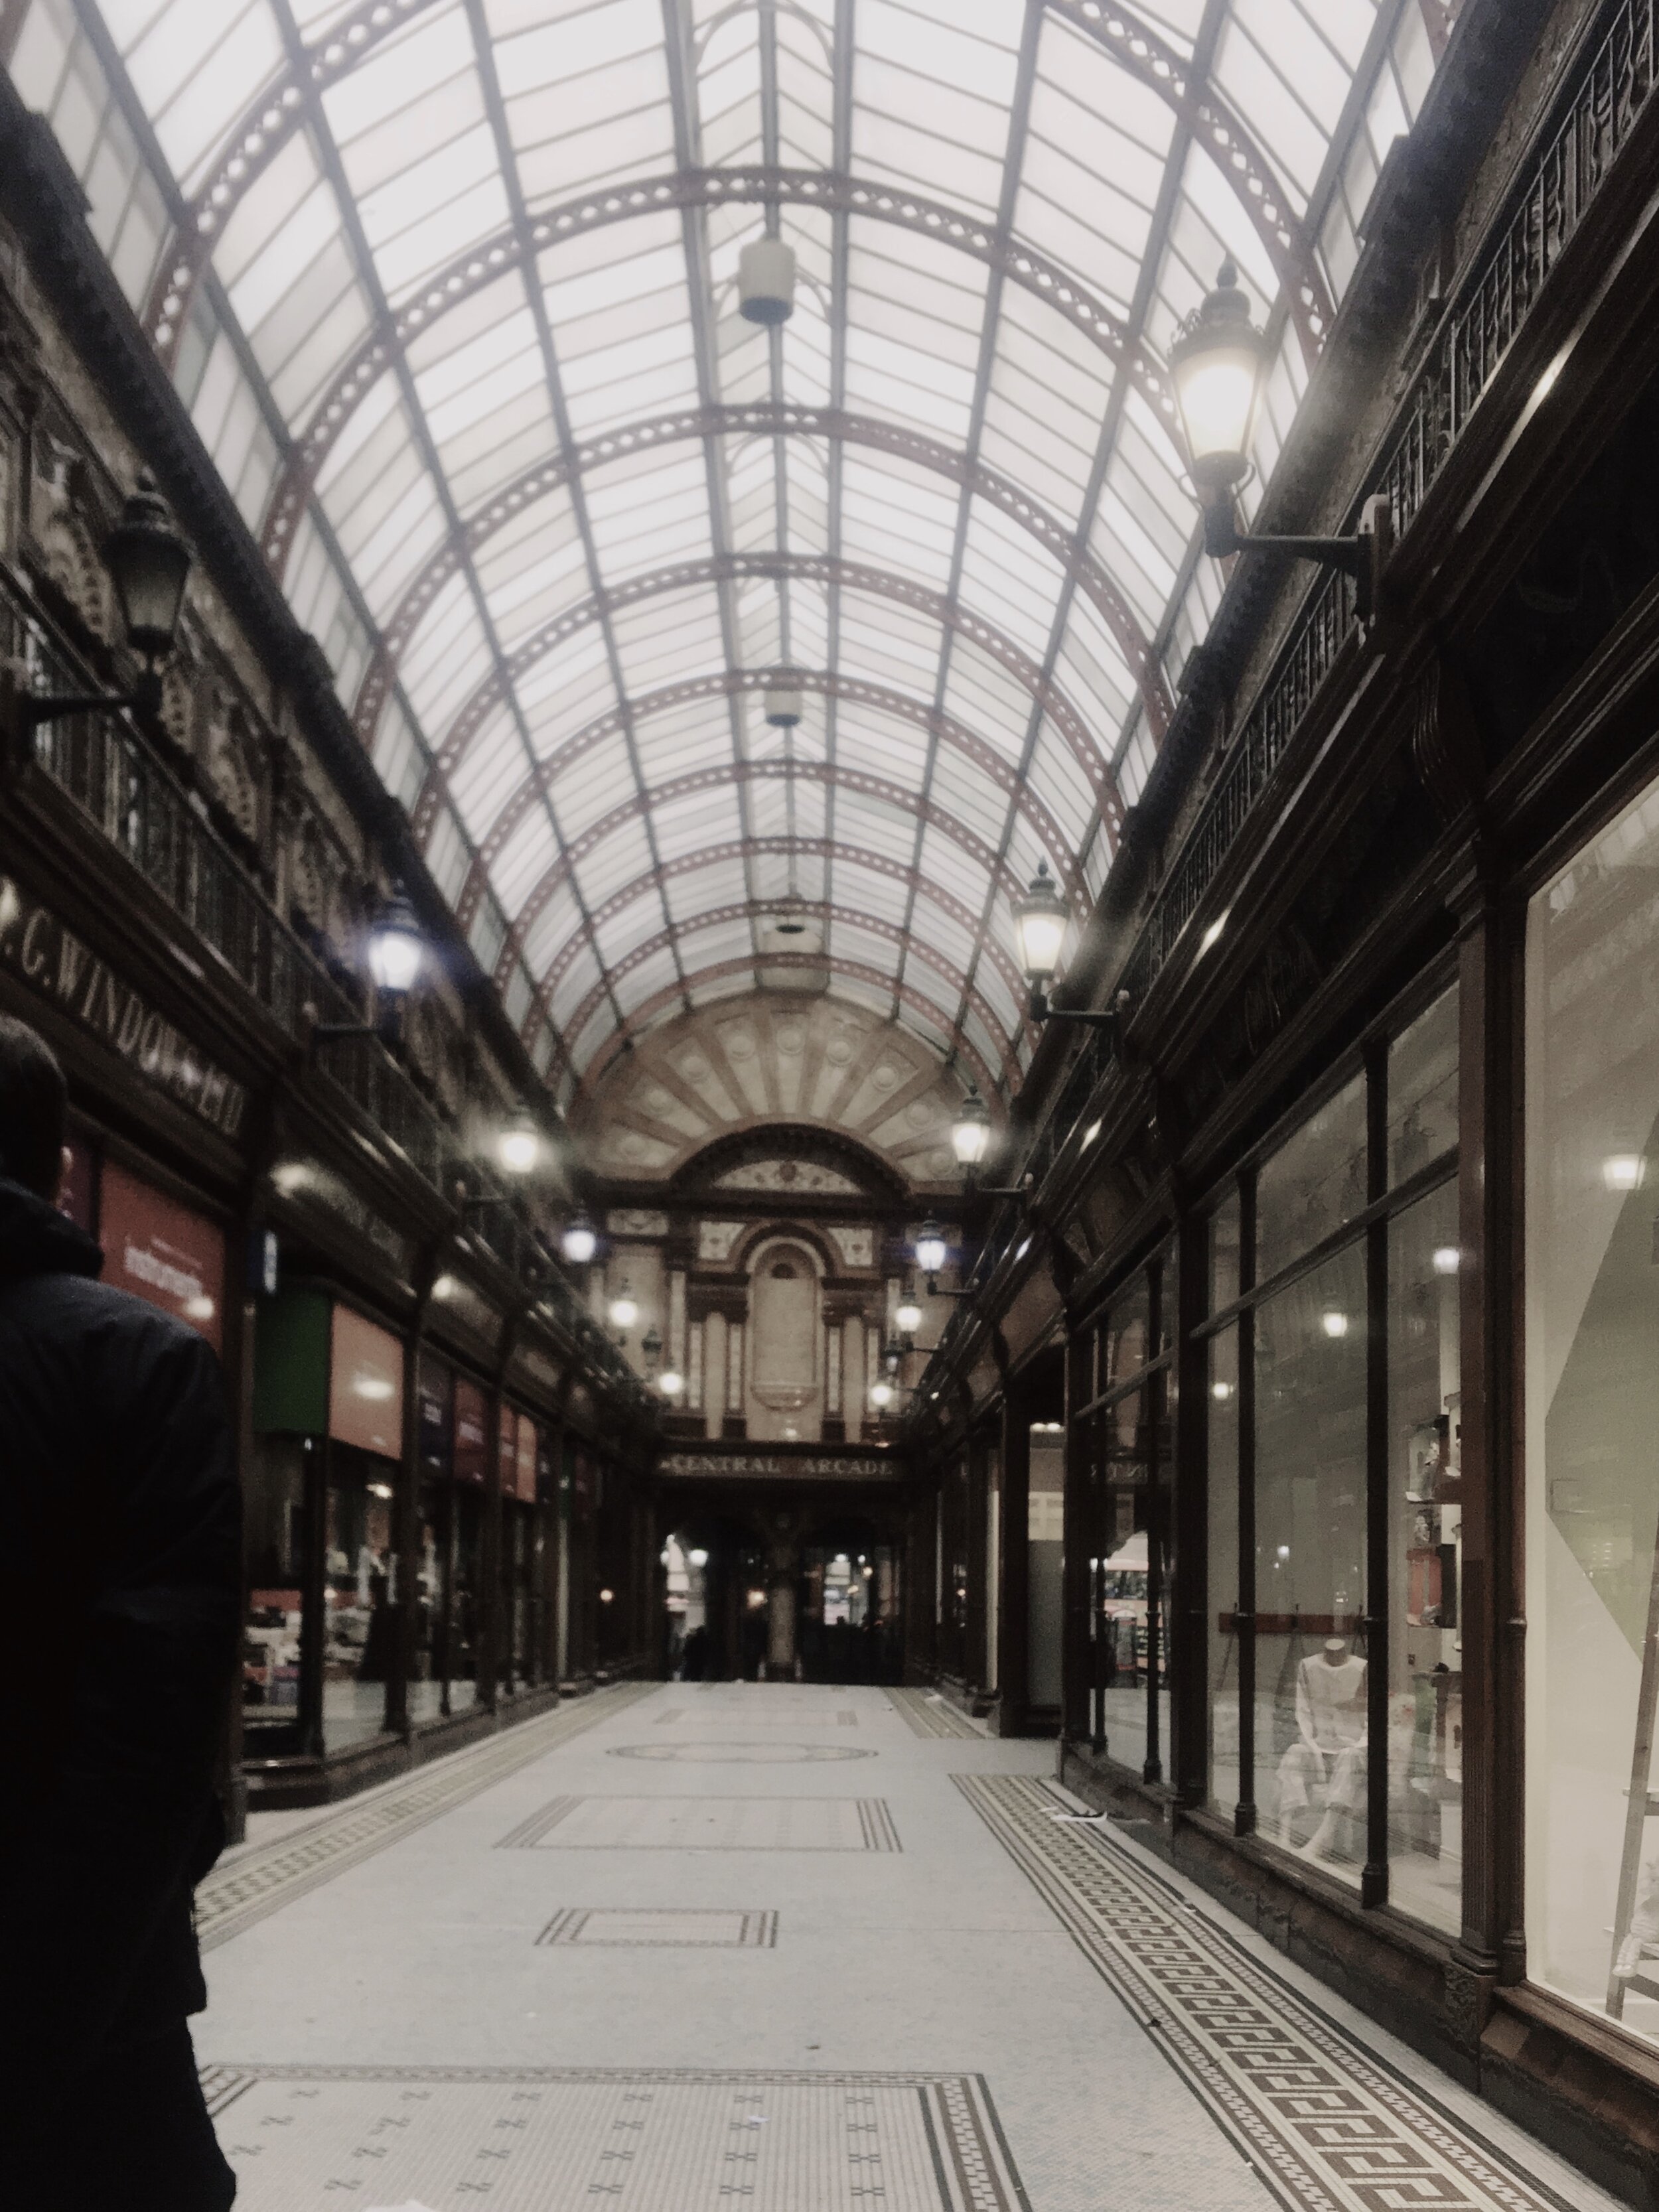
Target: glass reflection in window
{"x":1224,"y":1655}
{"x":1592,"y":1418}
{"x":1313,"y":1183}
{"x":357,"y":1618}
{"x":1310,"y":1733}
{"x":1426,"y":1551}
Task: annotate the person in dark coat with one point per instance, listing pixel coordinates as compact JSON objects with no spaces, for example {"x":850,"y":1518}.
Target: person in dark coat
{"x":120,"y":1549}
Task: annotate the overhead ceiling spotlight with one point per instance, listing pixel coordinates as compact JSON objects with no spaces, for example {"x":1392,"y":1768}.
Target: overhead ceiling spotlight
{"x":766,"y":282}
{"x":786,"y":699}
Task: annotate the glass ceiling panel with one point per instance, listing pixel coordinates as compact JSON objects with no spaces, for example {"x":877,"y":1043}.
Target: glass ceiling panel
{"x":587,"y":407}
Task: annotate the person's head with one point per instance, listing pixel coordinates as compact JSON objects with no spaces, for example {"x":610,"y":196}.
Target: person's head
{"x":33,"y":1109}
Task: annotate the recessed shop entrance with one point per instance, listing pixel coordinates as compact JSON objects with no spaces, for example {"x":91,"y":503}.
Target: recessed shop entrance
{"x":848,"y":1605}
{"x":715,"y":1571}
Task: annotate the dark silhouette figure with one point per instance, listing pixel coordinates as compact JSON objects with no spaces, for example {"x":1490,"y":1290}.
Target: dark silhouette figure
{"x":119,"y":1528}
{"x":695,"y":1656}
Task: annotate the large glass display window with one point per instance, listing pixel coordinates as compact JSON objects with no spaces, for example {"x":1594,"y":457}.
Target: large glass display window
{"x":471,"y":1460}
{"x":1127,"y":1429}
{"x":435,"y":1516}
{"x":1425,"y":1515}
{"x":1310,"y":1655}
{"x":1331,"y":1355}
{"x":1225,"y":1661}
{"x":274,"y":1522}
{"x":357,"y":1620}
{"x":1592,"y":1415}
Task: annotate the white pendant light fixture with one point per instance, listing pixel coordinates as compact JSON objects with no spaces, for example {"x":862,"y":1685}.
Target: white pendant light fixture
{"x":766,"y":282}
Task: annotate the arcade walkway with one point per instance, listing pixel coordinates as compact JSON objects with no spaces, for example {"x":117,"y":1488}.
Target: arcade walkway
{"x":803,"y":1950}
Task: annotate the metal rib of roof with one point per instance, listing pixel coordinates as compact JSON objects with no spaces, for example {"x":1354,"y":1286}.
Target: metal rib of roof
{"x":450,"y":289}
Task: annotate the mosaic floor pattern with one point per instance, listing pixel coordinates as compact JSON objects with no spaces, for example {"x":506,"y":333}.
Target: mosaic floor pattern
{"x":704,"y":1717}
{"x":662,"y":2142}
{"x":741,"y":1755}
{"x":926,"y":1713}
{"x":661,"y":1928}
{"x":707,"y":1824}
{"x":253,"y":1882}
{"x":1326,"y":2125}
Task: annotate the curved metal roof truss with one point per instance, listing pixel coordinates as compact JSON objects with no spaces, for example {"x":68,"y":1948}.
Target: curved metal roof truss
{"x":450,"y":287}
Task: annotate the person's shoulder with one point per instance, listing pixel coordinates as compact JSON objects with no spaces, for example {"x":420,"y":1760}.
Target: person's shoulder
{"x":123,"y":1320}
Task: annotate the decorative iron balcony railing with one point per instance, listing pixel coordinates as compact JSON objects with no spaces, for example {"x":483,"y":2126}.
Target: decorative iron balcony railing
{"x":1610,"y":91}
{"x":128,"y":792}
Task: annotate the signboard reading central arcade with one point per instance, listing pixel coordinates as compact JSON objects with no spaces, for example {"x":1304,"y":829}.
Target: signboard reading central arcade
{"x":818,"y":1466}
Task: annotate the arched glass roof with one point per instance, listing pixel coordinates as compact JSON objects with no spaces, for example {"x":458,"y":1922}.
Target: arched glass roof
{"x":449,"y":287}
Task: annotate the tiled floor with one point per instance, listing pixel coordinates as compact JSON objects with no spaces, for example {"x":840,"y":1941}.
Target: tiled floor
{"x":898,"y":1985}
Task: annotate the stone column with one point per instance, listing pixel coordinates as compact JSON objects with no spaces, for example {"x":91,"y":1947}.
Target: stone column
{"x":783,"y":1565}
{"x":693,"y":1367}
{"x":675,"y":1348}
{"x":735,"y":1424}
{"x":835,"y":1394}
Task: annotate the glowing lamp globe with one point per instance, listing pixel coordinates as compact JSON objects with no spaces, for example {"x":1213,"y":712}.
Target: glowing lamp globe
{"x":971,"y":1133}
{"x":1216,"y":365}
{"x":579,"y":1241}
{"x":396,"y":948}
{"x":1040,"y":921}
{"x":931,"y":1248}
{"x":519,"y":1147}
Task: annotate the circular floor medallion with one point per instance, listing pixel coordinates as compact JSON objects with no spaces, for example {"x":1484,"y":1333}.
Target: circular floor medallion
{"x":742,"y":1754}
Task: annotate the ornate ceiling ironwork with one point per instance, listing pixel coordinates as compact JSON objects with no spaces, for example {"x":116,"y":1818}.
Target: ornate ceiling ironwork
{"x":449,"y":287}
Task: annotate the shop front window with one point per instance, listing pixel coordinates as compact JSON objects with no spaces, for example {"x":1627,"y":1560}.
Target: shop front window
{"x":274,"y":1509}
{"x":1310,"y":1731}
{"x":472,"y":1466}
{"x":434,"y":1512}
{"x":1313,"y":1184}
{"x":1129,"y":1567}
{"x":1425,"y":1643}
{"x":1226,"y":1658}
{"x":466,"y":1573}
{"x":1592,"y":1416}
{"x":358,"y":1636}
{"x":1301,"y":1608}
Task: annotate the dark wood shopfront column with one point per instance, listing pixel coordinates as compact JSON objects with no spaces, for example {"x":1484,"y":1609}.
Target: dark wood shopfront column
{"x":1013,"y":1612}
{"x":1493,"y":1601}
{"x":980,"y":1662}
{"x":1082,"y":1532}
{"x":1189,"y":1595}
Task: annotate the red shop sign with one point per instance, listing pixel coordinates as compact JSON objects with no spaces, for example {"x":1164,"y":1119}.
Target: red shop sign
{"x":161,"y":1252}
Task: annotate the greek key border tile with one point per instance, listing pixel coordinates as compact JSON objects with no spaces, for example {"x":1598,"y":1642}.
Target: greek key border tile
{"x":253,"y":1883}
{"x":932,"y":1717}
{"x":1325,"y":2126}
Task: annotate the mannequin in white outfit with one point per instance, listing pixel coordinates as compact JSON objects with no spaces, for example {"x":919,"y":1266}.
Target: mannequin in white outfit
{"x":1324,"y":1770}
